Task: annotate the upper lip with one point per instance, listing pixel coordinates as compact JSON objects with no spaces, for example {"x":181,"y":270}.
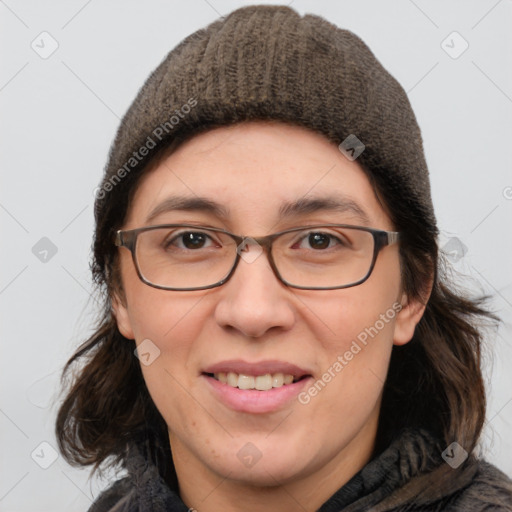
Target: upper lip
{"x":257,"y":368}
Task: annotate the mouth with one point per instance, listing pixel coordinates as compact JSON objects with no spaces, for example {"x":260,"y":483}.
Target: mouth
{"x":263,"y":382}
{"x":261,"y":387}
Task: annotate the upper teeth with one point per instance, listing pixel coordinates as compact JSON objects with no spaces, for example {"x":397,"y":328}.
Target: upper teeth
{"x":260,"y":382}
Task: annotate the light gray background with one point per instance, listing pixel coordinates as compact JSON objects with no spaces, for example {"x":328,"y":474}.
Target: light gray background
{"x":59,"y":115}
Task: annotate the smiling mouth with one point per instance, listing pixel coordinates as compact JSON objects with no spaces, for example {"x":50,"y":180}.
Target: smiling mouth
{"x":259,"y":382}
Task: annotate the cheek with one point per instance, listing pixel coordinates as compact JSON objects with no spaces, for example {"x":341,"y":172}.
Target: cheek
{"x":360,"y":313}
{"x":360,"y":343}
{"x":169,"y":319}
{"x":354,"y":365}
{"x":355,"y":328}
{"x":156,"y":314}
{"x":166,"y":325}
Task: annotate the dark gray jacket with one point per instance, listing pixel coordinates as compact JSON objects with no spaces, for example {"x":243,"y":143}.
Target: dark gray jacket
{"x":409,"y":475}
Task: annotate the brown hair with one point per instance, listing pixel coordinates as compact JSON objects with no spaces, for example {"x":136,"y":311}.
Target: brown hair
{"x":434,"y":382}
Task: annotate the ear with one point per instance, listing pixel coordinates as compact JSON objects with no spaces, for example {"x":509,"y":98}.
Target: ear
{"x":408,"y":317}
{"x":122,"y":317}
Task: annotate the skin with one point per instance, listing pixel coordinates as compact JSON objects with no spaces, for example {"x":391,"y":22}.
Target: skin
{"x":307,"y":451}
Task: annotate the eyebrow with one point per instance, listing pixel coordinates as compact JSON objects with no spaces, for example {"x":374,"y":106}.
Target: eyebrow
{"x":339,"y":204}
{"x":302,"y":206}
{"x":187,"y":203}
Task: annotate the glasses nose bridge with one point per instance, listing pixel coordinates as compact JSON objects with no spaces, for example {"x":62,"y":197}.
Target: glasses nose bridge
{"x":265,"y":242}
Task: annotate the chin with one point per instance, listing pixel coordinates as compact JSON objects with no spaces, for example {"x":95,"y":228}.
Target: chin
{"x":268,"y":467}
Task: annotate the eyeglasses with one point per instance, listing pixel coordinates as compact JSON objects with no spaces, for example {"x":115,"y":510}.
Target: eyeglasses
{"x":186,"y":257}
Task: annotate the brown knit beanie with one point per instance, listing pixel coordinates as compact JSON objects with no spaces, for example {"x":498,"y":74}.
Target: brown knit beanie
{"x":268,"y":62}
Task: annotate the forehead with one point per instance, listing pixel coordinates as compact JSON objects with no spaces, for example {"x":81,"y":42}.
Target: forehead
{"x":256,"y":173}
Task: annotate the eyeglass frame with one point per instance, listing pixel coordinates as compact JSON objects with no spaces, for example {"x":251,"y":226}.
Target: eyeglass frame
{"x":381,"y":238}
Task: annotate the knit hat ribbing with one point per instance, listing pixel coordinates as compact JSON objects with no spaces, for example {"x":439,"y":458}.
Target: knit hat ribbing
{"x":268,"y":62}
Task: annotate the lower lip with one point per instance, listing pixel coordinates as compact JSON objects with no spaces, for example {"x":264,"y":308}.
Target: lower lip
{"x":252,"y":400}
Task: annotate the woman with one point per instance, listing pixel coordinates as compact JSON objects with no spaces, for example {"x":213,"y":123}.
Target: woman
{"x":278,"y":333}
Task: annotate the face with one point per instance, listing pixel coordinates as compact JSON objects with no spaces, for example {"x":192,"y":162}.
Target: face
{"x":338,"y":342}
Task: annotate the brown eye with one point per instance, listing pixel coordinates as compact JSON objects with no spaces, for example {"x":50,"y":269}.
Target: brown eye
{"x":319,"y":240}
{"x":189,"y":240}
{"x":193,"y":240}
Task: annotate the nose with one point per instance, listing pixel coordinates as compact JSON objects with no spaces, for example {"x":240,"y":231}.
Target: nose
{"x":254,"y":301}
